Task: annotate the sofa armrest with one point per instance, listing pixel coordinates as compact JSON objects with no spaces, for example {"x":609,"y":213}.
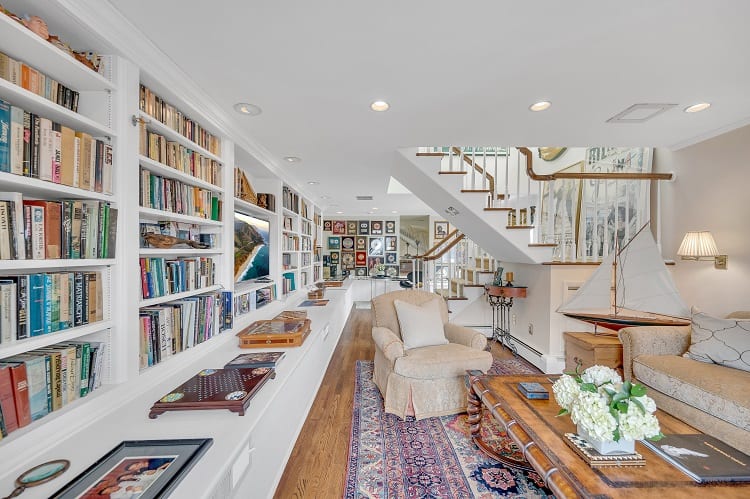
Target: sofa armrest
{"x":387,"y":342}
{"x":465,"y":336}
{"x":652,"y":340}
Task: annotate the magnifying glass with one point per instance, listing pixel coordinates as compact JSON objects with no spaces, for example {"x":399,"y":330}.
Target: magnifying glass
{"x":38,"y":475}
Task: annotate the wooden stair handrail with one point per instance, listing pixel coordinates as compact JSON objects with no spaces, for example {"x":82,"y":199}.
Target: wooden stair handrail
{"x":470,"y":162}
{"x":445,"y":249}
{"x":439,"y":244}
{"x":617,"y":176}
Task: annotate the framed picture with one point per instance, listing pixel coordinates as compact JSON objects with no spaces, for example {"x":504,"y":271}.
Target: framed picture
{"x":347,"y":259}
{"x":390,"y":227}
{"x":566,"y":201}
{"x":372,"y":261}
{"x":376,"y":228}
{"x":376,"y":247}
{"x":152,"y":468}
{"x":339,"y":227}
{"x":334,"y":242}
{"x":391,"y":270}
{"x":360,"y":243}
{"x":360,"y":271}
{"x":327,"y":225}
{"x":360,"y":259}
{"x":347,"y":243}
{"x":390,"y":243}
{"x":334,"y":257}
{"x":363,"y":227}
{"x":441,"y":230}
{"x":351,"y":227}
{"x":391,"y":258}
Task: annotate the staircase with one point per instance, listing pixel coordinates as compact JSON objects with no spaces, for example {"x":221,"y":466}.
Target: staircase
{"x":517,"y":215}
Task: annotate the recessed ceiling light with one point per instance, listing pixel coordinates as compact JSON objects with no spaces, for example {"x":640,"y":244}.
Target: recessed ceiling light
{"x":313,"y":182}
{"x":292,"y":159}
{"x":696,"y":108}
{"x":380,"y":106}
{"x":248,"y":109}
{"x":374,"y":209}
{"x":540,"y":106}
{"x":339,"y":212}
{"x":325,"y":197}
{"x":394,"y":211}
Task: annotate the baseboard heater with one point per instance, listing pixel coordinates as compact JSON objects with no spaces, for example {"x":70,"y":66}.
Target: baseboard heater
{"x":527,"y":346}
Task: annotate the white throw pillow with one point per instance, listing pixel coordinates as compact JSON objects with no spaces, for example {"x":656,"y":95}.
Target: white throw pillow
{"x":720,"y":341}
{"x":421,"y":326}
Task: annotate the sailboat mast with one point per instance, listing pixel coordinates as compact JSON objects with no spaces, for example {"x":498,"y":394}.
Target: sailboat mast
{"x":614,"y":271}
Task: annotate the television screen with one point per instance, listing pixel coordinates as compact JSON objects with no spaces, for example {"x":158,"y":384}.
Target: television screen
{"x":250,"y":247}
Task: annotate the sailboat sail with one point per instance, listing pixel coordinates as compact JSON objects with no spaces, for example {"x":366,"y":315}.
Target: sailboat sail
{"x":643,"y":286}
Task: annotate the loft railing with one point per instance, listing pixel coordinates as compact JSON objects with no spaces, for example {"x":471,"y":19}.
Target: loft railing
{"x":579,"y":211}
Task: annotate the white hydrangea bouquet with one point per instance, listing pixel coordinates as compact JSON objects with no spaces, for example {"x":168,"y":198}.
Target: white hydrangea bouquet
{"x":606,"y":408}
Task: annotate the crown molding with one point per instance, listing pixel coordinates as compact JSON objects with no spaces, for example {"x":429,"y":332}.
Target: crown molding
{"x":710,"y":134}
{"x":104,"y":21}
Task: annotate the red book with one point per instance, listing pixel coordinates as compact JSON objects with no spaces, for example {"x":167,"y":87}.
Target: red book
{"x":7,"y":404}
{"x":20,"y":392}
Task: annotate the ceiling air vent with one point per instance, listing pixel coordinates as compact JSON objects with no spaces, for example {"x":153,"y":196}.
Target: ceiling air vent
{"x":640,"y":113}
{"x":364,"y":198}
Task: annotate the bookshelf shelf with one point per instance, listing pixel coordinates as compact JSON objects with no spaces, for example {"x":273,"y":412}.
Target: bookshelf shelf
{"x":37,"y":104}
{"x":158,"y":127}
{"x":6,"y":265}
{"x":178,"y":296}
{"x":21,"y":346}
{"x":41,"y":188}
{"x":253,"y":209}
{"x":179,"y":251}
{"x":22,"y":44}
{"x":157,"y":215}
{"x":169,"y":172}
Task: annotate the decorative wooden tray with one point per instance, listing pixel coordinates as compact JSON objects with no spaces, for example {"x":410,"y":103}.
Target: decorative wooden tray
{"x":229,"y":389}
{"x":275,"y":332}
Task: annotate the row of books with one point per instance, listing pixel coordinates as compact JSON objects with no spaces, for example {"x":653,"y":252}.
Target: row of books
{"x":306,"y":244}
{"x":36,"y":147}
{"x":41,"y":381}
{"x":290,"y":199}
{"x":288,"y":223}
{"x":245,"y":303}
{"x":36,"y":304}
{"x":289,"y":242}
{"x":179,"y":157}
{"x":173,"y":327}
{"x":305,"y":259}
{"x":167,"y":194}
{"x":72,"y":229}
{"x":157,"y":108}
{"x":306,"y":227}
{"x":181,"y":230}
{"x":287,"y":282}
{"x":33,"y":80}
{"x":161,"y":277}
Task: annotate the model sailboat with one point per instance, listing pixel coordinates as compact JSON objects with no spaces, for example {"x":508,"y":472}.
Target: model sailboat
{"x":631,"y":287}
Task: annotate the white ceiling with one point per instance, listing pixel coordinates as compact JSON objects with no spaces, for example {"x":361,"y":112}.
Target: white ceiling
{"x":454,"y":73}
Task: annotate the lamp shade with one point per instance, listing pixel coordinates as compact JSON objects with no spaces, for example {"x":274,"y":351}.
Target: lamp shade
{"x":698,"y":244}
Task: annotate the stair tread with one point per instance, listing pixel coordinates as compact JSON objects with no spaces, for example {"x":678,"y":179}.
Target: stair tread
{"x":519,"y":226}
{"x":542,"y":245}
{"x":449,"y":295}
{"x":498,"y":209}
{"x":486,"y":191}
{"x":451,"y":173}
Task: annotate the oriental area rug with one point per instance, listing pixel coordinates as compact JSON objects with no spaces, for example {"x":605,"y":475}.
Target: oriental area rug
{"x":430,"y":458}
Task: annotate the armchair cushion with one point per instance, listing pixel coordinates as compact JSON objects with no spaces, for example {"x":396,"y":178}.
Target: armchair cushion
{"x":421,"y":325}
{"x":441,"y":361}
{"x":465,"y":336}
{"x":720,"y":341}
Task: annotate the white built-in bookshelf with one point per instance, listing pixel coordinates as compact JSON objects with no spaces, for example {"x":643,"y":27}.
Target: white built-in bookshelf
{"x":110,"y":110}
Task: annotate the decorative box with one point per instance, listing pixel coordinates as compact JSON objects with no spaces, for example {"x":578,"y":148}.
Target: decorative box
{"x":269,"y":333}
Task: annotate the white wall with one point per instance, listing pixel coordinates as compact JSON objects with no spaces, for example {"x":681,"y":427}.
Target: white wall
{"x":710,"y":193}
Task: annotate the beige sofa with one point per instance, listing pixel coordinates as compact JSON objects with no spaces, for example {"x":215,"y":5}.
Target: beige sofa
{"x":426,"y":381}
{"x":710,"y":397}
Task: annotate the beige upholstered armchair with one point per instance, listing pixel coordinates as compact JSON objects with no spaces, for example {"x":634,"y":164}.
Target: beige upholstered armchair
{"x":428,"y":380}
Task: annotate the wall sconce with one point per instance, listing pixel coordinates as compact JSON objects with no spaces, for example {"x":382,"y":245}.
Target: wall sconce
{"x":700,"y":245}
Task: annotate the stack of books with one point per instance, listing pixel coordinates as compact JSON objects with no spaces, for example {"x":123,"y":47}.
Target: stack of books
{"x":596,"y":460}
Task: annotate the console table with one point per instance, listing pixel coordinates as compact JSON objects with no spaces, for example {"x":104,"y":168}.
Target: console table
{"x":500,"y":299}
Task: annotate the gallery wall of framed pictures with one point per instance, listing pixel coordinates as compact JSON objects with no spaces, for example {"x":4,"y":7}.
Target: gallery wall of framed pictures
{"x":359,"y":245}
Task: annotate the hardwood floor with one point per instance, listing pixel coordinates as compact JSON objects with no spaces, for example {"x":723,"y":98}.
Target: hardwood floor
{"x":317,"y":466}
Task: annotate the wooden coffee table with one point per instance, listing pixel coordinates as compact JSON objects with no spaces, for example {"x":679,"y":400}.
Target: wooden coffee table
{"x":534,"y":427}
